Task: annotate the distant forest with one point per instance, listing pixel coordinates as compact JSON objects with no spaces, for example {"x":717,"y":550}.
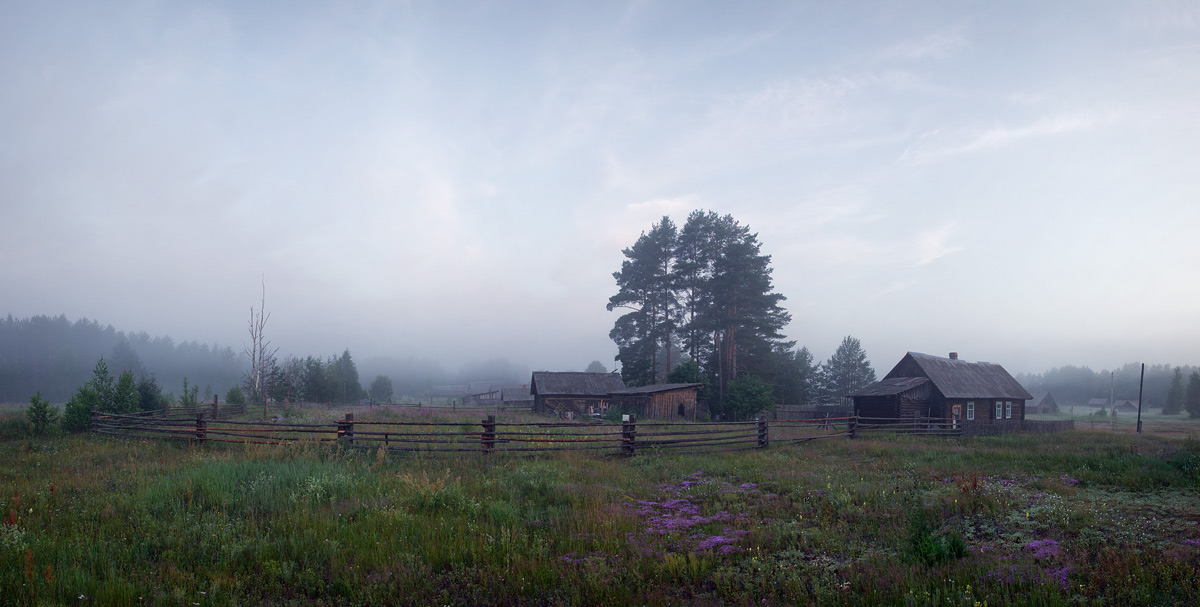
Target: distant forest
{"x":56,"y":356}
{"x":1077,"y":385}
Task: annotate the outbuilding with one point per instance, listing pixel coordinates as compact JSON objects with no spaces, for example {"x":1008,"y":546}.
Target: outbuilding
{"x":570,"y":394}
{"x":660,"y":401}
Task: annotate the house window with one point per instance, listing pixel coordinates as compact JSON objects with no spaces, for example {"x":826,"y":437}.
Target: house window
{"x":999,"y":409}
{"x":970,"y":409}
{"x":1007,"y":409}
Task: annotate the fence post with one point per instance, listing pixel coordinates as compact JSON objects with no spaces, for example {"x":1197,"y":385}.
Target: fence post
{"x":628,"y":434}
{"x":95,"y":419}
{"x":853,"y":429}
{"x":350,"y":427}
{"x":214,"y":406}
{"x":762,"y":431}
{"x":201,"y":428}
{"x":488,"y":438}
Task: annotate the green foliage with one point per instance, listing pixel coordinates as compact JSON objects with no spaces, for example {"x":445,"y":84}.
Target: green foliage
{"x":334,"y":380}
{"x":104,"y":385}
{"x":189,"y":396}
{"x":797,"y":377}
{"x":150,"y":395}
{"x":846,"y":371}
{"x":747,"y":396}
{"x":708,"y":285}
{"x":928,"y":545}
{"x":1175,"y":394}
{"x":40,"y":414}
{"x":234,"y":396}
{"x":381,"y":389}
{"x":77,"y":413}
{"x":1192,"y":402}
{"x":126,"y":398}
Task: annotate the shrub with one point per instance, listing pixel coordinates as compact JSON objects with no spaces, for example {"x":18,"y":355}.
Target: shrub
{"x":927,"y":545}
{"x":40,"y":415}
{"x":234,"y":396}
{"x":77,"y":414}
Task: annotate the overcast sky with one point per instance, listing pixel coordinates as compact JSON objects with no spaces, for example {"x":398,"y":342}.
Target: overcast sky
{"x":1019,"y":182}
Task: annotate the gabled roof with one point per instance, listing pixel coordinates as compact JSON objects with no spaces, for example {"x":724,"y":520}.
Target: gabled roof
{"x":653,"y":389}
{"x":572,"y":383}
{"x":956,"y":378}
{"x":891,"y":386}
{"x":515,"y":393}
{"x":1098,"y":402}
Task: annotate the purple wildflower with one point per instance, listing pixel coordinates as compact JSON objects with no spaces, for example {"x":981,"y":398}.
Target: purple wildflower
{"x":1195,"y":543}
{"x":1059,"y":576}
{"x":747,"y":486}
{"x":1068,"y":480}
{"x":1043,"y":548}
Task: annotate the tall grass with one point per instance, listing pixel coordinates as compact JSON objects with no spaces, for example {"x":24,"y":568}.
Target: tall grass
{"x":1055,"y":519}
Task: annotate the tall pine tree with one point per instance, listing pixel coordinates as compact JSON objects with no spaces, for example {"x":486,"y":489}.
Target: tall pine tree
{"x":846,"y":371}
{"x":1174,"y":402}
{"x":645,"y":287}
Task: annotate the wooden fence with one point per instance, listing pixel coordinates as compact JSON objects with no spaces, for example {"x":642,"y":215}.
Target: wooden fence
{"x":491,"y":436}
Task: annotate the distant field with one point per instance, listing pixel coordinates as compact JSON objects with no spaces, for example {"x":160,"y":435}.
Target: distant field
{"x":1085,"y":517}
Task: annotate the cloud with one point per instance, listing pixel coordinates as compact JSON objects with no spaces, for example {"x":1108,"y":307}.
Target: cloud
{"x":933,"y":244}
{"x":940,"y":144}
{"x":934,"y":46}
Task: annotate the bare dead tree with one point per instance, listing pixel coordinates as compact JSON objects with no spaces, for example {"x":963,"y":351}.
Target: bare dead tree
{"x":259,"y":351}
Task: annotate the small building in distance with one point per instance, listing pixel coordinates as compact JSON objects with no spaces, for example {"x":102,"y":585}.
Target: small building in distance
{"x":1042,"y":402}
{"x":1098,"y":402}
{"x":516,"y":396}
{"x":660,"y":401}
{"x":571,"y":393}
{"x":1125,"y":406}
{"x":973,"y":396}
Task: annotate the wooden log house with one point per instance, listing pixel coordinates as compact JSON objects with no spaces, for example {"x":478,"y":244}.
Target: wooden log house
{"x":661,"y":401}
{"x":978,"y":397}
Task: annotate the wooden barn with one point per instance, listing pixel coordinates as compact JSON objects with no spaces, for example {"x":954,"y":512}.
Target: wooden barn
{"x":569,"y":394}
{"x":976,"y":396}
{"x":660,"y":401}
{"x":1042,"y":402}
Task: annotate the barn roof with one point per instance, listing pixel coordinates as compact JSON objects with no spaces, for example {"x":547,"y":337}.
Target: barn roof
{"x":891,"y":386}
{"x":571,"y":383}
{"x":654,"y":389}
{"x":515,"y":393}
{"x":956,"y":378}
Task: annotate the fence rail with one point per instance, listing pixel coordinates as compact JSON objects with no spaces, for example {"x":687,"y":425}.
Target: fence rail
{"x":491,"y":436}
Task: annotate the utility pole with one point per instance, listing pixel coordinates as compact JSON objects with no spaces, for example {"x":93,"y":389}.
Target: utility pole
{"x":1141,"y":384}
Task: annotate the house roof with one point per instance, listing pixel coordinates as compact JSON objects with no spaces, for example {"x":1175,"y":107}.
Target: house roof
{"x":956,"y":378}
{"x":1098,"y":402}
{"x":573,"y":383}
{"x":654,"y":389}
{"x":515,"y":393}
{"x":892,"y":386}
{"x":1041,"y":398}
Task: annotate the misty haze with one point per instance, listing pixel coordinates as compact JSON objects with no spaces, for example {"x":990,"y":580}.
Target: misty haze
{"x":281,"y":282}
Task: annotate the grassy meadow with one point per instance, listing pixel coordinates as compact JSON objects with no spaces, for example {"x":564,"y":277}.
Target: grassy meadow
{"x":1077,"y":518}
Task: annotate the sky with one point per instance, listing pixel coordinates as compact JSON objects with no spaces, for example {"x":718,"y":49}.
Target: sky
{"x":456,"y":181}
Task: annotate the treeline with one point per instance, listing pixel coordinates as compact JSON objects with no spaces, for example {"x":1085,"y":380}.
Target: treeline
{"x":56,"y":356}
{"x":1072,"y":385}
{"x":311,"y":379}
{"x":701,"y":307}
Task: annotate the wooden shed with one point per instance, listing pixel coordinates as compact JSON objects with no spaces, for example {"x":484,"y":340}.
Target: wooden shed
{"x":1042,"y":402}
{"x":660,"y":401}
{"x":976,"y":396}
{"x":568,"y":394}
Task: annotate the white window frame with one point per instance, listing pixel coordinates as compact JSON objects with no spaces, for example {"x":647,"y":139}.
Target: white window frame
{"x":970,"y":409}
{"x":999,"y":409}
{"x":1008,"y":409}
